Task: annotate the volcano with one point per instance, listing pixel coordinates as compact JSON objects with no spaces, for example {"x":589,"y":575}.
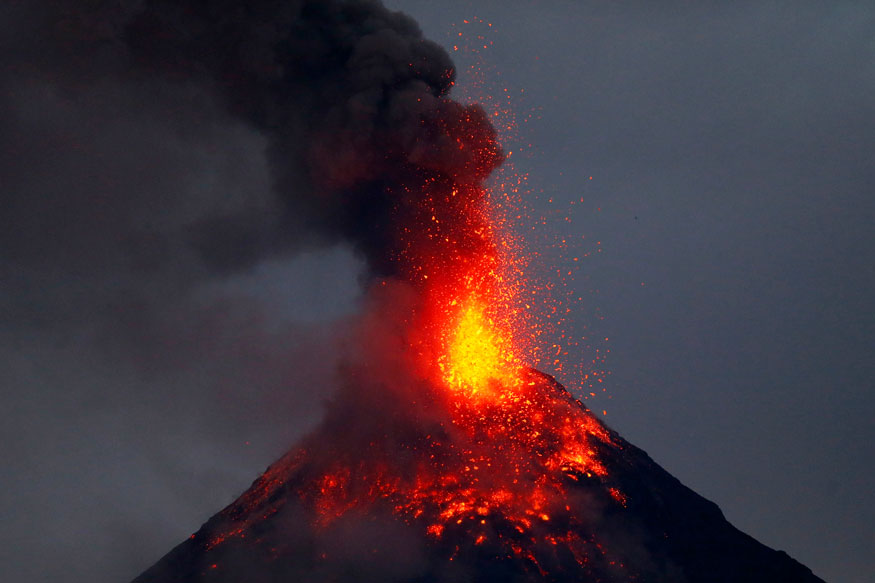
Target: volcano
{"x":548,"y":493}
{"x":443,"y":456}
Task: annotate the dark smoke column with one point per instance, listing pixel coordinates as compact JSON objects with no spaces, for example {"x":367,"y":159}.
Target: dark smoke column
{"x":411,"y":477}
{"x":354,"y":104}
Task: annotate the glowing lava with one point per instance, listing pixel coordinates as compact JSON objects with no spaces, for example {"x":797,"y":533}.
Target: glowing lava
{"x":485,"y":452}
{"x":480,"y":446}
{"x":479,"y":353}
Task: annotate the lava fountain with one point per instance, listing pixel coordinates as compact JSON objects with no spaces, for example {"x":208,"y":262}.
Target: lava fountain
{"x":440,"y":427}
{"x":476,"y":448}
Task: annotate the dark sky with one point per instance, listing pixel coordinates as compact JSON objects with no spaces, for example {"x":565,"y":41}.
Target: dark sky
{"x":732,"y":150}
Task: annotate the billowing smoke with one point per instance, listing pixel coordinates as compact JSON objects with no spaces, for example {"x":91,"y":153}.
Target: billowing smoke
{"x":155,"y":155}
{"x":351,"y":100}
{"x":353,"y":103}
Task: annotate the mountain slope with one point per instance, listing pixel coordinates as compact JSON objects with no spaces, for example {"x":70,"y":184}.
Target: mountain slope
{"x":384,"y":497}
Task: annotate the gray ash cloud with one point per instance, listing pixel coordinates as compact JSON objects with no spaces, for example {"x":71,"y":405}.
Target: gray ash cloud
{"x":347,"y":100}
{"x":350,"y":97}
{"x":155,"y":159}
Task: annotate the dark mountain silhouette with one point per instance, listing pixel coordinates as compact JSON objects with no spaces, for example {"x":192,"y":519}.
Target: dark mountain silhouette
{"x":630,"y":520}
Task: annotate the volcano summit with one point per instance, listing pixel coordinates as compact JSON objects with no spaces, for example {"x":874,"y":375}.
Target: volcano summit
{"x":527,"y":487}
{"x":443,"y":456}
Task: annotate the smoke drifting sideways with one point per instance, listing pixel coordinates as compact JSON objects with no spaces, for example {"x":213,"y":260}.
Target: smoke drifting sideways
{"x":350,"y":97}
{"x":346,"y":97}
{"x":155,"y":155}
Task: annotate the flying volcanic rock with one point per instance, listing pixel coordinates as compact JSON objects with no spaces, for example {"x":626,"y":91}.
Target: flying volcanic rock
{"x":550,"y":494}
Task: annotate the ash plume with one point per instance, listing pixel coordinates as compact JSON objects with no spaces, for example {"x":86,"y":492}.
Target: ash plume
{"x":350,"y":100}
{"x":153,"y":151}
{"x":350,"y":97}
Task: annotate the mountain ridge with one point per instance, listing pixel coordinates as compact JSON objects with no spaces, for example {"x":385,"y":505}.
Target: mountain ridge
{"x":633,"y":522}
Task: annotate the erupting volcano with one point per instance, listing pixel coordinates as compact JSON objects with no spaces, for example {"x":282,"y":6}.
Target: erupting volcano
{"x":444,"y":456}
{"x":516,"y":481}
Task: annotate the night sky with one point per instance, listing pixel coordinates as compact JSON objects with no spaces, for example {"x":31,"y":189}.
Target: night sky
{"x":731,"y":147}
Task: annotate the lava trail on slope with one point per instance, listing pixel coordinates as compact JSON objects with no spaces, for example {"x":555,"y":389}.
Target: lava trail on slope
{"x":532,"y":489}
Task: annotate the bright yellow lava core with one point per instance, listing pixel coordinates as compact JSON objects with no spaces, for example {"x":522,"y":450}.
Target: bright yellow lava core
{"x":479,"y":352}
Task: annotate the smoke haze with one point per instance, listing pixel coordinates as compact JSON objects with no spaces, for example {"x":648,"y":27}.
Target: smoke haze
{"x":162,"y":162}
{"x":159,"y":201}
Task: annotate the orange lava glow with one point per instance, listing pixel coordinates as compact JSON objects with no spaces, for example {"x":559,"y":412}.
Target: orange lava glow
{"x":501,"y":474}
{"x":506,"y":449}
{"x":499,"y":468}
